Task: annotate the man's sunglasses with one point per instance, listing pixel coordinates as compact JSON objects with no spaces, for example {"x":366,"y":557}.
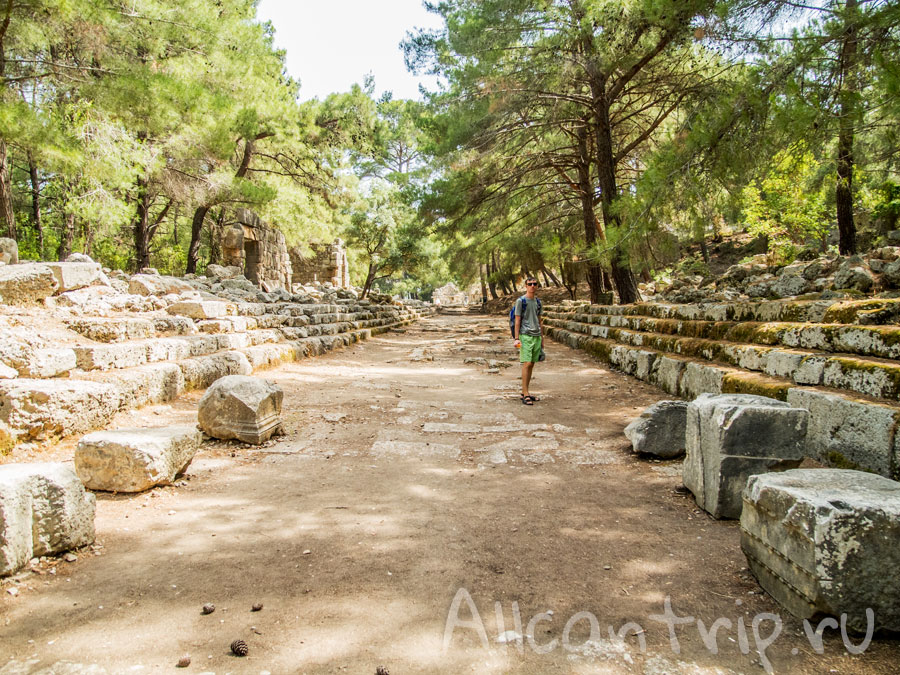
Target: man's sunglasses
{"x":531,"y":283}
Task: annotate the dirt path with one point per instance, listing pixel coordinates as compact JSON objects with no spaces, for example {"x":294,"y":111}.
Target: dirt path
{"x":402,"y":484}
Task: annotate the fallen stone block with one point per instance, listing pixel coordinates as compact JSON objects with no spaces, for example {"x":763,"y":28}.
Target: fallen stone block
{"x":239,"y":407}
{"x":660,"y":430}
{"x":74,"y":275}
{"x":44,"y":509}
{"x":26,"y":283}
{"x":45,"y":408}
{"x":732,"y":436}
{"x":152,"y":284}
{"x":204,"y":309}
{"x":824,"y":541}
{"x":134,"y":460}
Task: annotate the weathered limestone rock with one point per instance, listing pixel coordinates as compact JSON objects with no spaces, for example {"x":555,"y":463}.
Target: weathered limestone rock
{"x":74,"y":275}
{"x":134,"y":460}
{"x":48,"y":363}
{"x":113,"y":330}
{"x":732,"y":436}
{"x":207,"y":309}
{"x":855,"y":277}
{"x":202,"y":372}
{"x":241,"y":407}
{"x":152,"y":284}
{"x":11,"y":248}
{"x":43,"y":509}
{"x":79,"y":258}
{"x":220,"y":272}
{"x":26,"y":283}
{"x":825,"y":541}
{"x":43,"y":408}
{"x":660,"y":430}
{"x":847,"y":433}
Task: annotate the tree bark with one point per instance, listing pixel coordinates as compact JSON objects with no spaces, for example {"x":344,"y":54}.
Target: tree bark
{"x":67,"y":236}
{"x":547,"y":271}
{"x":623,"y":278}
{"x":481,"y":275}
{"x":36,"y":203}
{"x":141,"y":227}
{"x":7,"y":216}
{"x":589,"y":218}
{"x":370,"y":277}
{"x":846,"y":128}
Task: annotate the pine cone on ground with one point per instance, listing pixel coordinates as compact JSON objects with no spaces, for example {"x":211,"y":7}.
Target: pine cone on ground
{"x":239,"y":648}
{"x":257,"y":607}
{"x":381,"y":670}
{"x":184,"y":661}
{"x":208,"y":608}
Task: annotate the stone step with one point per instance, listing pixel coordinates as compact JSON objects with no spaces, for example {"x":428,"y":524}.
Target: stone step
{"x":844,"y":430}
{"x":41,"y":409}
{"x":877,"y":341}
{"x":878,"y":378}
{"x":873,"y":311}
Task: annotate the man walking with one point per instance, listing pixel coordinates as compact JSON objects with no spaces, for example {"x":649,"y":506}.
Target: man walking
{"x":527,"y":334}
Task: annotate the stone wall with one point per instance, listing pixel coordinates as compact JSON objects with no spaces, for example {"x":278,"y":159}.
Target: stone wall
{"x":259,"y":250}
{"x":449,"y":294}
{"x":327,"y":264}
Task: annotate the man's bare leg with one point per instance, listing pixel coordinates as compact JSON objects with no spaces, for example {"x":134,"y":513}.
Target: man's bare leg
{"x":527,"y":369}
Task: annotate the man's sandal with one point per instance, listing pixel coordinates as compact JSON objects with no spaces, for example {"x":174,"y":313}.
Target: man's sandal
{"x":526,"y":400}
{"x":534,"y":399}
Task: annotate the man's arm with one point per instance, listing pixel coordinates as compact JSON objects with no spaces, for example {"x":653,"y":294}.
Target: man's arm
{"x":518,"y":327}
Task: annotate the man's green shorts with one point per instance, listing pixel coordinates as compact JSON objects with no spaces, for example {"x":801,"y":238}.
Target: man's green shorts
{"x":530,"y":351}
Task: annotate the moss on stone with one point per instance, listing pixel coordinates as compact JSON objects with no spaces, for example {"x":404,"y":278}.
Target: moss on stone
{"x":751,"y":383}
{"x":837,"y":460}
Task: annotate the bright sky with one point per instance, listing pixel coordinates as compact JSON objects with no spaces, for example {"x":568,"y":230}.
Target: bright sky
{"x":332,"y":44}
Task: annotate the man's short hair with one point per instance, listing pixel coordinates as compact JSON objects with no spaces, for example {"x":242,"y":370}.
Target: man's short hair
{"x":527,"y":279}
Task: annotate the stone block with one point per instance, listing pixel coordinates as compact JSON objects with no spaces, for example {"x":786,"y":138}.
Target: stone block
{"x":660,"y":430}
{"x":44,"y":363}
{"x":824,"y":541}
{"x":847,"y":433}
{"x":26,"y":283}
{"x":152,"y":284}
{"x":11,"y":248}
{"x":45,"y":408}
{"x":203,"y":371}
{"x":74,"y":275}
{"x":107,"y":357}
{"x":113,"y":330}
{"x":732,"y":436}
{"x":44,"y":509}
{"x":666,"y":374}
{"x":150,"y":384}
{"x":134,"y":460}
{"x":700,"y":378}
{"x":206,"y":309}
{"x":243,"y":408}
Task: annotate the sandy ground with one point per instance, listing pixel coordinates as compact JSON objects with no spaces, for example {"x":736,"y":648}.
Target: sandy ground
{"x":405,"y":493}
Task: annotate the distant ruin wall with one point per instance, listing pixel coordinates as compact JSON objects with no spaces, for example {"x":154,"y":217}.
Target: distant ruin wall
{"x":326,"y":264}
{"x":259,"y":250}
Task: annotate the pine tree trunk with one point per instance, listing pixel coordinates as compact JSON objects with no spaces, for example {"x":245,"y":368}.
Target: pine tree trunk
{"x":194,"y":248}
{"x":67,"y":236}
{"x":552,"y":276}
{"x":7,"y":216}
{"x":483,"y":285}
{"x":142,"y":228}
{"x":370,"y":278}
{"x":589,"y":218}
{"x":622,"y":276}
{"x":846,"y":128}
{"x":36,"y":204}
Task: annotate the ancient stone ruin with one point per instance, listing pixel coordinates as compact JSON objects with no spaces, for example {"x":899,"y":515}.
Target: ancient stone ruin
{"x":326,"y":264}
{"x":257,"y":249}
